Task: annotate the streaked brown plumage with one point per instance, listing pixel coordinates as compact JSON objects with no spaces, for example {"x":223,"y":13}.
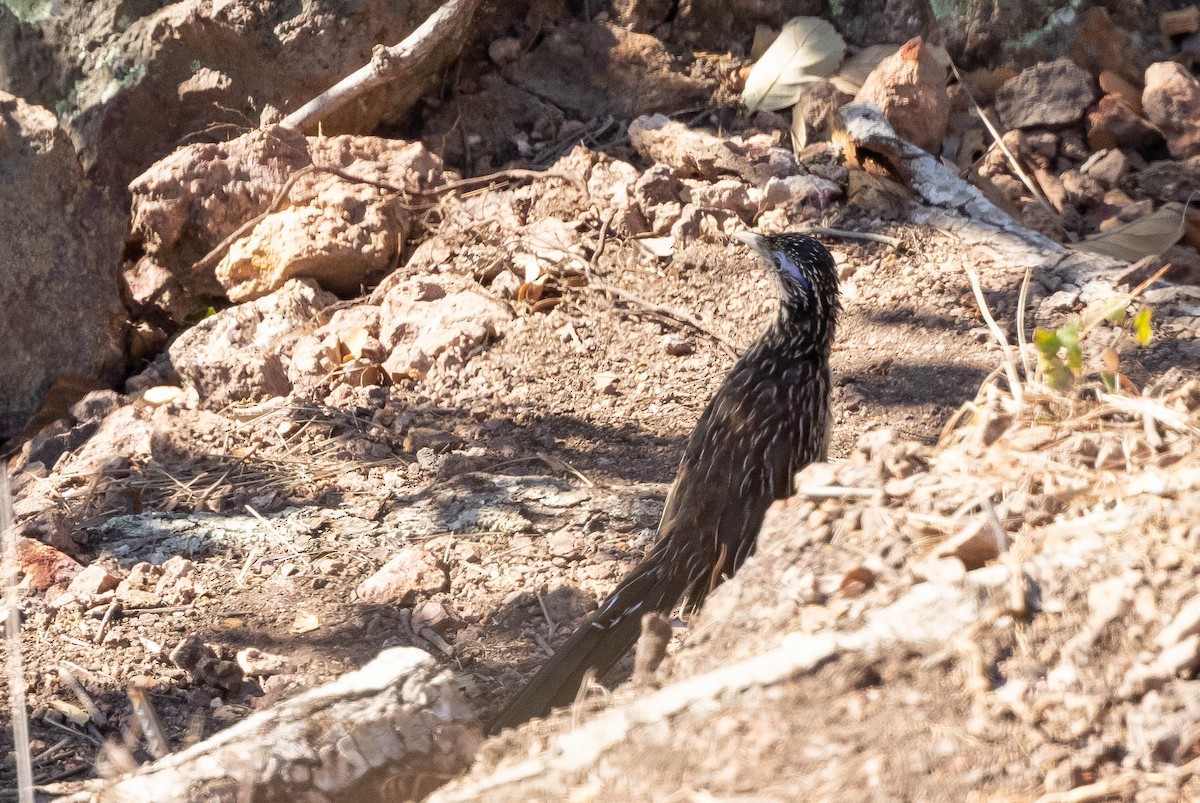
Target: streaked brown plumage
{"x":769,"y":419}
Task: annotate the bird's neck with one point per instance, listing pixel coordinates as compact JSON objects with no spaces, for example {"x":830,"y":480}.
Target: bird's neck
{"x":800,"y":332}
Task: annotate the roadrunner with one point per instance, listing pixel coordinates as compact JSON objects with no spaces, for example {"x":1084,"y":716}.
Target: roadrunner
{"x":769,"y":419}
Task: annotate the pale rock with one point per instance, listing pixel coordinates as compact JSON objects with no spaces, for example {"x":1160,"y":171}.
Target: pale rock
{"x":411,"y":573}
{"x":1171,"y":101}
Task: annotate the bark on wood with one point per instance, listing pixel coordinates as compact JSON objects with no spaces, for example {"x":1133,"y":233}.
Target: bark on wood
{"x":394,"y":730}
{"x":387,"y":63}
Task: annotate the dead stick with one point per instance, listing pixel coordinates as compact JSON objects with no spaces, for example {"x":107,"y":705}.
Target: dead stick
{"x":214,"y":256}
{"x":386,"y":63}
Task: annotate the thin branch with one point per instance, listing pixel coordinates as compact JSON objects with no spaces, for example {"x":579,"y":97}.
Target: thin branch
{"x":1029,"y":183}
{"x":895,"y":242}
{"x":386,"y":64}
{"x":1010,"y":367}
{"x":214,"y":256}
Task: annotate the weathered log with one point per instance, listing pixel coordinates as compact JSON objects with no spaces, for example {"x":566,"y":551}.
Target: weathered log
{"x":394,"y":730}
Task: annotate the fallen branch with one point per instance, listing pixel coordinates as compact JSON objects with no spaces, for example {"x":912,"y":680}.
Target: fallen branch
{"x":582,"y":747}
{"x":399,"y":722}
{"x":386,"y":64}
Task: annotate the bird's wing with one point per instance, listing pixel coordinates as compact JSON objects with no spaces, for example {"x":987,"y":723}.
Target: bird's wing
{"x":740,"y":459}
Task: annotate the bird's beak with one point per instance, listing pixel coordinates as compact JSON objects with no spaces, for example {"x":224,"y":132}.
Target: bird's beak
{"x":756,"y":242}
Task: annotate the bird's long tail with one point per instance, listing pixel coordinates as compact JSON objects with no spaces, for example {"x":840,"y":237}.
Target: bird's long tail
{"x":598,"y":643}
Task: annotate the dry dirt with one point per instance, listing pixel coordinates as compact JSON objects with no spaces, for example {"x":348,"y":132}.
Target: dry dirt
{"x":910,"y":352}
{"x":551,"y":452}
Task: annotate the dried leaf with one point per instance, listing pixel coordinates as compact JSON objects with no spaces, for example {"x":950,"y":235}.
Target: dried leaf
{"x":1110,"y":360}
{"x":305,"y":622}
{"x":854,"y":72}
{"x":799,"y":130}
{"x":808,"y":48}
{"x":529,"y":265}
{"x":1145,"y":237}
{"x":159,"y":395}
{"x":661,"y":247}
{"x":606,"y":381}
{"x":72,"y":712}
{"x":352,"y":343}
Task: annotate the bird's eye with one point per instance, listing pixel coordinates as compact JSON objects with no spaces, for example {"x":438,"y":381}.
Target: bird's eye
{"x":789,"y":268}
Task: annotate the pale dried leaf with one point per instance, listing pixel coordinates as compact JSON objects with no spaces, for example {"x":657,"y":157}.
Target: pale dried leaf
{"x":1148,"y":236}
{"x":353,"y":343}
{"x":808,"y":48}
{"x":305,"y":622}
{"x":661,"y":247}
{"x":799,"y":130}
{"x":528,"y":265}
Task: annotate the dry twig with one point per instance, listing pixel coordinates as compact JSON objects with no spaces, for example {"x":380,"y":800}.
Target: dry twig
{"x":386,"y":63}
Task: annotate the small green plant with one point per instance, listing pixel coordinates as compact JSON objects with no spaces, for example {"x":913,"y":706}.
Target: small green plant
{"x":1060,"y":352}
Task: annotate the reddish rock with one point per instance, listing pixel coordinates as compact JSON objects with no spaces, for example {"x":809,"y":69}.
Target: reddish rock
{"x":1101,"y":46}
{"x":658,"y":198}
{"x":93,"y":580}
{"x":1050,"y":94}
{"x":332,"y":229}
{"x":211,"y":64}
{"x":728,"y":194}
{"x":1112,"y":124}
{"x":44,"y":566}
{"x":137,"y":589}
{"x":411,"y":574}
{"x":693,"y":153}
{"x":177,"y":583}
{"x":235,"y":354}
{"x":795,"y":193}
{"x":51,"y":527}
{"x":435,"y":616}
{"x":1113,"y":84}
{"x":909,"y":87}
{"x":1172,"y":103}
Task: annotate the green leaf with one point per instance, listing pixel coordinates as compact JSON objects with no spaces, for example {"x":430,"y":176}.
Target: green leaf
{"x":1057,"y":375}
{"x":198,"y":315}
{"x":1068,"y":336}
{"x":1141,"y":327}
{"x":1046,"y":342}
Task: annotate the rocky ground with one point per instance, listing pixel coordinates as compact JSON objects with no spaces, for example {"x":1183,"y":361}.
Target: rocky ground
{"x":420,"y":403}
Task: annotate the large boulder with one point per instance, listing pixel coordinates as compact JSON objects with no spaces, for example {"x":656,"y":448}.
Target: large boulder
{"x":114,"y":69}
{"x":58,"y":267}
{"x":341,"y":221}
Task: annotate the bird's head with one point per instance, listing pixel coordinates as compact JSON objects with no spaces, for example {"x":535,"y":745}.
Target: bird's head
{"x":805,"y":271}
